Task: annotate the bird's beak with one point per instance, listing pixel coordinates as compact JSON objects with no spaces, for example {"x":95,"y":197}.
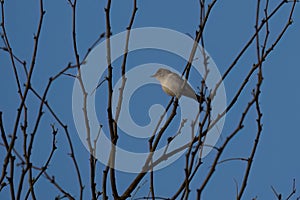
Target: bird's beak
{"x":154,"y":75}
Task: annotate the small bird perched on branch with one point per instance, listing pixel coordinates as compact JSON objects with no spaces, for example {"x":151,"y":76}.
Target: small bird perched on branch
{"x":172,"y":84}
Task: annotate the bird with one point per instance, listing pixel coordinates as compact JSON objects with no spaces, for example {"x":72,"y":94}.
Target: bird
{"x":172,"y":84}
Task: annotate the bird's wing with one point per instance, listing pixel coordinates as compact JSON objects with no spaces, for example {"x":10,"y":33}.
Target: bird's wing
{"x":178,"y":82}
{"x":174,"y":82}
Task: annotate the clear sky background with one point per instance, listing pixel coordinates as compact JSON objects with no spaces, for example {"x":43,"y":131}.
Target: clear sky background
{"x":229,"y":27}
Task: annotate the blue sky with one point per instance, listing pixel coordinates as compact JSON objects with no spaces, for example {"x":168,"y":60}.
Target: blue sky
{"x":229,"y":27}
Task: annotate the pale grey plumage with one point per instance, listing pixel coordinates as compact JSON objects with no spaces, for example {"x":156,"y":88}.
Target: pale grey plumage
{"x":172,"y":84}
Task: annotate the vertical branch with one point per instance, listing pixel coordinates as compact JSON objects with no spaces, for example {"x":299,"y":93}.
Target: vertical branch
{"x":75,"y":49}
{"x":40,"y":113}
{"x":3,"y":134}
{"x":111,"y":121}
{"x":11,"y":177}
{"x":104,"y":182}
{"x":256,"y":94}
{"x":259,"y":130}
{"x":257,"y":31}
{"x":9,"y":49}
{"x":152,"y":190}
{"x":121,"y":89}
{"x":119,"y":106}
{"x":25,"y":136}
{"x":186,"y":172}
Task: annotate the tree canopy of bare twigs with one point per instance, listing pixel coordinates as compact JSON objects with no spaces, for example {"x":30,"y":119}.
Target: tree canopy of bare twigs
{"x":45,"y":50}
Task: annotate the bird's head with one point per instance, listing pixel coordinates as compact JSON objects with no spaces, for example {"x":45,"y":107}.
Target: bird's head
{"x":161,"y":73}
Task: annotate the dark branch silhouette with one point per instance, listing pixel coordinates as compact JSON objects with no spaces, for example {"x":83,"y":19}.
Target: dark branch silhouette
{"x":21,"y":174}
